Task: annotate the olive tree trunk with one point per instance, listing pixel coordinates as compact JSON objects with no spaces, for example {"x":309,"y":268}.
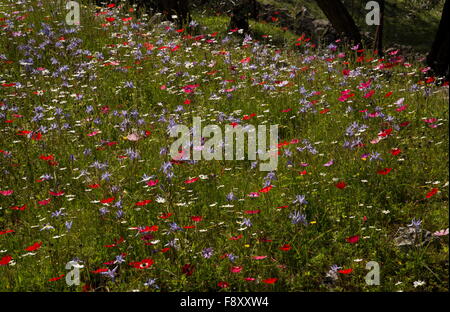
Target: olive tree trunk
{"x":341,"y":19}
{"x":438,"y":58}
{"x":378,"y":44}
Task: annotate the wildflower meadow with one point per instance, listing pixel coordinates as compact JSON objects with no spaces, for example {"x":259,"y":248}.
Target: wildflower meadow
{"x":93,"y":198}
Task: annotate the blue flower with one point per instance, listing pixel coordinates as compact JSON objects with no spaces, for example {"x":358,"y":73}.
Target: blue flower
{"x":119,"y":259}
{"x":375,"y":156}
{"x":247,"y":222}
{"x":207,"y":252}
{"x":151,"y":283}
{"x":300,"y":199}
{"x":68,"y":225}
{"x":232,"y":257}
{"x":296,"y":217}
{"x":415,"y":223}
{"x":111,"y":273}
{"x":175,"y":227}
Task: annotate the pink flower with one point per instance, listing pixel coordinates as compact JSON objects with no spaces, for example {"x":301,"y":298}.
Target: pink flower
{"x":441,"y":233}
{"x":191,"y":181}
{"x":430,"y":120}
{"x":44,"y":202}
{"x":375,"y":141}
{"x":190,"y":88}
{"x":133,"y":137}
{"x":352,"y":239}
{"x":152,"y":182}
{"x":93,"y":133}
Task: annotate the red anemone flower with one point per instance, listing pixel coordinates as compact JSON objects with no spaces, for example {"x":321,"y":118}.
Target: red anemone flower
{"x":144,"y":264}
{"x":34,"y":247}
{"x":272,"y":280}
{"x":5,"y":260}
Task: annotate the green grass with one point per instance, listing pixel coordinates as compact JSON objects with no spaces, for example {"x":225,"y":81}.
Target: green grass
{"x":371,"y":206}
{"x":259,"y":30}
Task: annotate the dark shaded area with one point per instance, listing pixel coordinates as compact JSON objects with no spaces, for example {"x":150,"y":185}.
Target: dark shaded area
{"x":403,"y":28}
{"x":241,"y":12}
{"x":439,"y":57}
{"x":378,"y":44}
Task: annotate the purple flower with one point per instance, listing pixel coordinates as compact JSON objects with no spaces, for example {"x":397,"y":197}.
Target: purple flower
{"x":132,"y":154}
{"x":151,"y":283}
{"x":232,"y":257}
{"x":106,"y":176}
{"x":111,"y":273}
{"x":247,"y":222}
{"x":375,"y":156}
{"x":271,"y":176}
{"x":332,"y":47}
{"x":119,"y":259}
{"x":167,"y":168}
{"x":58,"y":213}
{"x":103,"y":211}
{"x":207,"y":252}
{"x":68,"y":225}
{"x":231,"y":196}
{"x":175,"y":227}
{"x":296,"y":217}
{"x":300,"y":199}
{"x":415,"y":223}
{"x":46,"y":177}
{"x":129,"y":84}
{"x":193,"y":24}
{"x":335,"y":267}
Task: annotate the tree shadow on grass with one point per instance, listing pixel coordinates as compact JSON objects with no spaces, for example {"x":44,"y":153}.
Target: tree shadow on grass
{"x":404,"y":28}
